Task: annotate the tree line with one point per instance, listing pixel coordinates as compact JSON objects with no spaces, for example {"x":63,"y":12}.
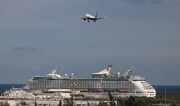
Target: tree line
{"x":172,"y":98}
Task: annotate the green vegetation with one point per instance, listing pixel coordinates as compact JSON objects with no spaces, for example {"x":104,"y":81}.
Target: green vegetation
{"x":68,"y":102}
{"x":60,"y":102}
{"x":112,"y":103}
{"x":35,"y":104}
{"x":1,"y":93}
{"x":171,"y":98}
{"x":23,"y":103}
{"x":4,"y":104}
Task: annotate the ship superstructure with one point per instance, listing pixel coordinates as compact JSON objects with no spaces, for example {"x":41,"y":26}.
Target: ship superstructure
{"x":103,"y":81}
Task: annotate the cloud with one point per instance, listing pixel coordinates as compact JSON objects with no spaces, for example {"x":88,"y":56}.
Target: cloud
{"x":157,"y":1}
{"x":36,"y":68}
{"x":142,"y":1}
{"x":26,"y":48}
{"x":135,"y":1}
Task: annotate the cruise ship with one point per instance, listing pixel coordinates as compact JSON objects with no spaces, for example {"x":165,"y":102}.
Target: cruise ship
{"x":101,"y":83}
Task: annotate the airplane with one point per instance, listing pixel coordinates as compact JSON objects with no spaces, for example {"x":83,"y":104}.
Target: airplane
{"x":91,"y":17}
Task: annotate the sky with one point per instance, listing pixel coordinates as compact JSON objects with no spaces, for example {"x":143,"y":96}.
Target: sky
{"x":38,"y":36}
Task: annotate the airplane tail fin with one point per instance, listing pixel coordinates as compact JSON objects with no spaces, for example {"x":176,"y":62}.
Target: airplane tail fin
{"x":96,"y":15}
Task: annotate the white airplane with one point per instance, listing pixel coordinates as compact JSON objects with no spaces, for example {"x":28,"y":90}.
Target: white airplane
{"x":91,"y":17}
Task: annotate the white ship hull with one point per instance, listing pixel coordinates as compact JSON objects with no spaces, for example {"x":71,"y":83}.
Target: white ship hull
{"x":100,"y":83}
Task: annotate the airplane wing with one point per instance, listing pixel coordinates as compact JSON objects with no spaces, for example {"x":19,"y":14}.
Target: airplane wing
{"x":96,"y":16}
{"x":100,"y":17}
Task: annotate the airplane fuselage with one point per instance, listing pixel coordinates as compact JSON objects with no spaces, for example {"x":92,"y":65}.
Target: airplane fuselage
{"x":90,"y":17}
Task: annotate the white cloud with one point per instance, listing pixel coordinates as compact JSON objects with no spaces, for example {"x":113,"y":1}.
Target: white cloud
{"x":26,"y":48}
{"x":36,"y":68}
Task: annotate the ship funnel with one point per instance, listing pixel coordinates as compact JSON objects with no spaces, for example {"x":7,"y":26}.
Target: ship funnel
{"x":109,"y":68}
{"x":103,"y":72}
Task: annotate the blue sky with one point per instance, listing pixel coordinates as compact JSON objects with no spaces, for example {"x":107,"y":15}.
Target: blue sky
{"x":38,"y":36}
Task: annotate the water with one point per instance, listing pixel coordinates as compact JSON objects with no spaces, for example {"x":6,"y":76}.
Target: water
{"x":4,"y":87}
{"x":159,"y":88}
{"x":169,"y":88}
